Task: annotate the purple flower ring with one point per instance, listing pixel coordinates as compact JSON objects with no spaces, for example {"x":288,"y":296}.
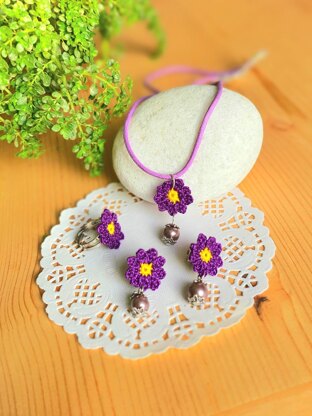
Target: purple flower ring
{"x":145,"y":269}
{"x":205,"y":256}
{"x":109,"y":230}
{"x":173,"y":196}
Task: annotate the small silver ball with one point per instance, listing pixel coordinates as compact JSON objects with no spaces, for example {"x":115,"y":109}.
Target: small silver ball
{"x":139,"y":304}
{"x":171,"y":234}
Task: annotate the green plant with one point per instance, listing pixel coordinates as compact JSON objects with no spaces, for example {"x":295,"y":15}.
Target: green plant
{"x":49,"y":78}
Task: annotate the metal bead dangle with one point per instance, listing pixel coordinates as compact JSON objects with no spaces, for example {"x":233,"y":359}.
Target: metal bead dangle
{"x":145,"y":271}
{"x":197,"y":292}
{"x":172,"y":196}
{"x":171,"y":234}
{"x":105,"y":230}
{"x":139,"y":303}
{"x":204,"y":255}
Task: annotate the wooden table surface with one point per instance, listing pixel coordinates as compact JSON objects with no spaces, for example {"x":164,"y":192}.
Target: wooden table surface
{"x":262,"y":366}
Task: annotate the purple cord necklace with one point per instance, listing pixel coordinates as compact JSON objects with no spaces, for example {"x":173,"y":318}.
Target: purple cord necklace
{"x":198,"y":140}
{"x":173,"y":195}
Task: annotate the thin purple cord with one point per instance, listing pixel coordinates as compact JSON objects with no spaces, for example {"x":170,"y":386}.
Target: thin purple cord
{"x":196,"y":146}
{"x":206,"y":76}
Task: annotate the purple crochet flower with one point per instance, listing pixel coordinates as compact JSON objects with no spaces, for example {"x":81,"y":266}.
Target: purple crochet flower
{"x":173,"y":199}
{"x":205,"y":256}
{"x":109,"y":229}
{"x":145,"y":269}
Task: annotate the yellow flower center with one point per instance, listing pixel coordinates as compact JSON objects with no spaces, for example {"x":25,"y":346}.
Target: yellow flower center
{"x":205,"y":255}
{"x":146,"y":269}
{"x":111,"y":228}
{"x":173,"y":196}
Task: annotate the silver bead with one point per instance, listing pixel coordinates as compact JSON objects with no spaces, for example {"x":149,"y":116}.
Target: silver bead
{"x":139,"y":304}
{"x":197,"y":293}
{"x":171,"y":234}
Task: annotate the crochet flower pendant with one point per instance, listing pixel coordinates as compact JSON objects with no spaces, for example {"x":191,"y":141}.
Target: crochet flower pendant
{"x":172,"y":196}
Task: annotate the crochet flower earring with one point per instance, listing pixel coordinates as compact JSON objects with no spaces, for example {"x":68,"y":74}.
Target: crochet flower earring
{"x":204,"y":255}
{"x":105,"y":230}
{"x":145,"y":271}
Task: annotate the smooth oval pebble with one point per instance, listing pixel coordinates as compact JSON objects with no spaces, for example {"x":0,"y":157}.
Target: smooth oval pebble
{"x":163,"y":131}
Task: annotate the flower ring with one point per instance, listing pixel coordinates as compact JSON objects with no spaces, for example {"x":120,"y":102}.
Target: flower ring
{"x":109,"y":230}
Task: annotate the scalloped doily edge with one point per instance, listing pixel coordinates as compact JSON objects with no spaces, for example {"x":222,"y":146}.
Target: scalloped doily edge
{"x":194,"y":340}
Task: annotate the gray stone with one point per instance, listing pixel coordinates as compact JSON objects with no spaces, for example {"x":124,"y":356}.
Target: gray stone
{"x":163,"y":132}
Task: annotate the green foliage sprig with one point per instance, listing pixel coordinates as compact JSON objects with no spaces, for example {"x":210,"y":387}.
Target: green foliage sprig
{"x":114,"y":14}
{"x":49,"y":78}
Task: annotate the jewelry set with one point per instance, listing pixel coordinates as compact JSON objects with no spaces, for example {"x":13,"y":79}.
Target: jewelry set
{"x":146,"y":268}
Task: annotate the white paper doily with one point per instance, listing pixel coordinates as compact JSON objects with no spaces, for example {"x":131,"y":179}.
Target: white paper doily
{"x":86,"y":291}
